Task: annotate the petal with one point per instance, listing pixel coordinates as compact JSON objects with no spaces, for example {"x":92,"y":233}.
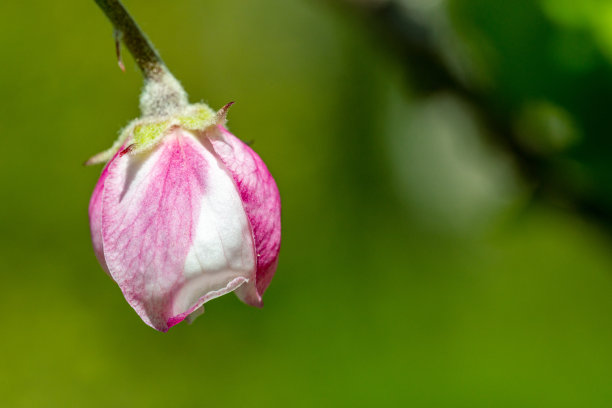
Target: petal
{"x":222,"y":245}
{"x":261,"y":202}
{"x":95,"y":219}
{"x":156,"y":209}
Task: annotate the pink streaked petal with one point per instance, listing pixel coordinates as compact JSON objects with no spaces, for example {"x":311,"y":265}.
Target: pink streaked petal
{"x":95,"y":219}
{"x":261,"y":202}
{"x":149,"y":215}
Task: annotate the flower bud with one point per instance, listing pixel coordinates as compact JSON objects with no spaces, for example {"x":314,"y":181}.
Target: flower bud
{"x":184,"y":212}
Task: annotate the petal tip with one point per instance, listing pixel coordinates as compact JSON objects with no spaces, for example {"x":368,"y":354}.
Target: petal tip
{"x":222,"y":113}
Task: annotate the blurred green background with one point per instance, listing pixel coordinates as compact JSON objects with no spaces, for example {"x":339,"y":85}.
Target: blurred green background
{"x":429,"y":259}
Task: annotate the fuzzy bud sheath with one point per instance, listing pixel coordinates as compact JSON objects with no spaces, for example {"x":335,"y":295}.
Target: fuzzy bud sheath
{"x":184,"y":211}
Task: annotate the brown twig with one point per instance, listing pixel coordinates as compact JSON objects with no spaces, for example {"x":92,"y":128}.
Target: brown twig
{"x":140,"y":47}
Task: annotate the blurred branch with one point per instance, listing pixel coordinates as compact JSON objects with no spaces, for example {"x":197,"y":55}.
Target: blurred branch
{"x":410,"y":42}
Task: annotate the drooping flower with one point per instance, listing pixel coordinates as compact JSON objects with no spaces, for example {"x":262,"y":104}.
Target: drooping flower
{"x":184,"y":212}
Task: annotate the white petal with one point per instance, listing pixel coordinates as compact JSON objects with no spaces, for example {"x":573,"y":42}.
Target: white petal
{"x":222,"y":255}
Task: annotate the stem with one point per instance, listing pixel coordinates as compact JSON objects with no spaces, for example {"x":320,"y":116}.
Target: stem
{"x":162,"y":93}
{"x":148,"y":60}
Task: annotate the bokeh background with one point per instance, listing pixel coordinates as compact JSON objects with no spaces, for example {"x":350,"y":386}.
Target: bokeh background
{"x":446,"y":179}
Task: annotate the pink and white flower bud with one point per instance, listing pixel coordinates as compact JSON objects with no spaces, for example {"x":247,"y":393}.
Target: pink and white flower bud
{"x":192,"y":215}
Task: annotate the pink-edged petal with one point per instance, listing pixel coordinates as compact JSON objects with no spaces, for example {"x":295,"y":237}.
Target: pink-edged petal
{"x":95,"y":219}
{"x":222,"y":255}
{"x":197,"y":308}
{"x":261,"y":201}
{"x":150,"y":204}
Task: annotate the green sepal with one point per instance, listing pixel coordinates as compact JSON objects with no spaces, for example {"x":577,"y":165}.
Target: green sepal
{"x":144,"y":133}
